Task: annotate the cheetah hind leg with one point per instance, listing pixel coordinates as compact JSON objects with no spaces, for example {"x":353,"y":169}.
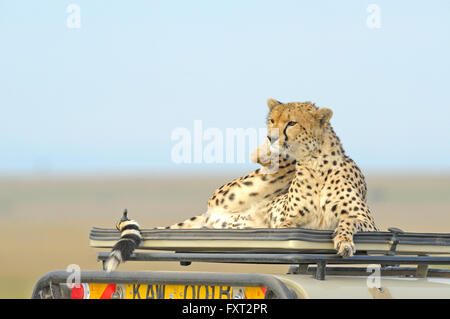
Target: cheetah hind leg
{"x":190,"y":223}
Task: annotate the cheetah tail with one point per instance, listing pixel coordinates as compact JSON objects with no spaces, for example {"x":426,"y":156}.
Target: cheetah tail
{"x":130,"y":239}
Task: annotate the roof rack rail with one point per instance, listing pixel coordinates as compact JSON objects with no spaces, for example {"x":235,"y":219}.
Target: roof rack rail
{"x":321,"y":260}
{"x":294,"y":246}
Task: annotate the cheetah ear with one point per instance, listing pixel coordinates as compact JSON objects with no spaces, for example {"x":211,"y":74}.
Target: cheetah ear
{"x":323,"y":116}
{"x":272,"y":102}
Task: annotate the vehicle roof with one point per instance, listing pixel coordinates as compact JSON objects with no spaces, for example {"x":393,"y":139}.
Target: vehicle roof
{"x":356,"y":287}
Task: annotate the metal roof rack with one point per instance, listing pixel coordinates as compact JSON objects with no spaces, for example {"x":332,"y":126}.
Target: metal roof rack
{"x":300,"y":247}
{"x":321,"y":260}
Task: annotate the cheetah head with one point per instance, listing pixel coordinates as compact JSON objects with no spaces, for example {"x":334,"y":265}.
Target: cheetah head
{"x":296,"y":128}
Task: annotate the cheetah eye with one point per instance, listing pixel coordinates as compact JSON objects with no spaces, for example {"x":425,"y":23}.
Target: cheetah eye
{"x":271,"y":121}
{"x":291,"y":123}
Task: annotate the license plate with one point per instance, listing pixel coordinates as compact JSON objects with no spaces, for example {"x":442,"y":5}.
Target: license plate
{"x":159,"y":291}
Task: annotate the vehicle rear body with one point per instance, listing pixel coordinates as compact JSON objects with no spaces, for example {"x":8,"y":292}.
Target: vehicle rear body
{"x":390,"y":264}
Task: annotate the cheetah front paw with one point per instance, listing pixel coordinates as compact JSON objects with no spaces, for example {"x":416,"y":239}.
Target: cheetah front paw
{"x":344,"y":248}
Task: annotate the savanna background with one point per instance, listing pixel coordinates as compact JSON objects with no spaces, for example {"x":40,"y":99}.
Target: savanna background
{"x":91,"y":91}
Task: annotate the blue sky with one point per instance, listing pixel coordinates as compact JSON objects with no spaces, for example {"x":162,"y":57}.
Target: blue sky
{"x":105,"y":97}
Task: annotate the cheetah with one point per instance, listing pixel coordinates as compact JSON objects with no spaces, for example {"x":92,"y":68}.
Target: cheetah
{"x":306,"y":181}
{"x":328,"y":191}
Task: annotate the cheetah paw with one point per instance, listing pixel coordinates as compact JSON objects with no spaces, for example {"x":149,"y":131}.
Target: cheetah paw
{"x":345,"y":248}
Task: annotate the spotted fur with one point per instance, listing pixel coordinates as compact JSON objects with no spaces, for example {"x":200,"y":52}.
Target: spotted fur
{"x":326,"y":192}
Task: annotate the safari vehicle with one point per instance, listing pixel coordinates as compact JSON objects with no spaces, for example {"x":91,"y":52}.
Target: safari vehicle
{"x":392,"y":264}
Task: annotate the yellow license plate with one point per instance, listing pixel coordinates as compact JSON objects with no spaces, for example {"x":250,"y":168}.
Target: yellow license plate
{"x":158,"y":291}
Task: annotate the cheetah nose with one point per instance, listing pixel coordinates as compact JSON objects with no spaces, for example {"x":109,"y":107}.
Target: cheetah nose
{"x":272,"y":139}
